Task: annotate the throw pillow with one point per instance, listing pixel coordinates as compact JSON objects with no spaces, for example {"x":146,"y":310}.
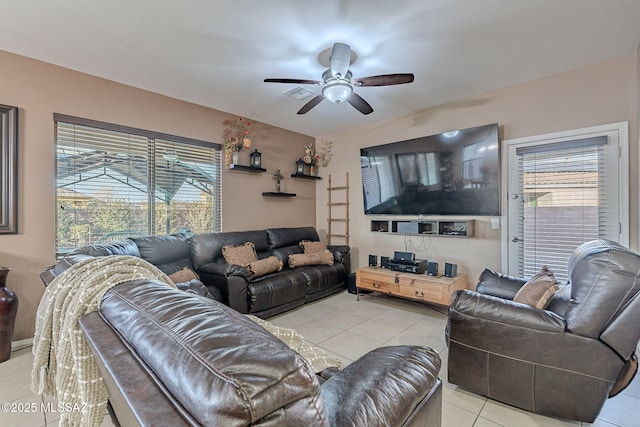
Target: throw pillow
{"x":240,"y":255}
{"x":537,"y":291}
{"x":318,"y":258}
{"x":313,"y":247}
{"x":184,"y":275}
{"x":265,"y":266}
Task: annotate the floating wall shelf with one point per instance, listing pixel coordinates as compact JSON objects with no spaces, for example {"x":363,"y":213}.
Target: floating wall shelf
{"x":278,"y":194}
{"x":297,"y":175}
{"x":464,"y":228}
{"x":246,"y":168}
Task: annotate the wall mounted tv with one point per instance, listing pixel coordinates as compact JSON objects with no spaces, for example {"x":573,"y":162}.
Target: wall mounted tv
{"x":452,"y":173}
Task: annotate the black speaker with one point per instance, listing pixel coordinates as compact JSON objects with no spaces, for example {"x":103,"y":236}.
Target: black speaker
{"x":432,"y":268}
{"x":450,"y":270}
{"x":384,"y":261}
{"x":405,"y":256}
{"x":373,"y":260}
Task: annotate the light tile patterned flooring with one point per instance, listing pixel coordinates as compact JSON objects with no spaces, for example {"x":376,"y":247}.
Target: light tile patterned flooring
{"x":347,"y":329}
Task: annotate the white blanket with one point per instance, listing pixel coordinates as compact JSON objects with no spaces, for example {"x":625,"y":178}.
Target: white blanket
{"x":63,"y":365}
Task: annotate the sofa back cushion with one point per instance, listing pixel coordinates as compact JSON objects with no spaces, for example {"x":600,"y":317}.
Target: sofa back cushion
{"x":121,"y":247}
{"x":289,"y":236}
{"x":221,"y":367}
{"x":604,"y":278}
{"x":207,"y":247}
{"x":168,"y":253}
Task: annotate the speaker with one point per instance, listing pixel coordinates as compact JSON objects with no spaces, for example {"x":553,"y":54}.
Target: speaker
{"x":384,"y":261}
{"x":450,"y":270}
{"x":373,"y":260}
{"x":432,"y":268}
{"x":405,"y":256}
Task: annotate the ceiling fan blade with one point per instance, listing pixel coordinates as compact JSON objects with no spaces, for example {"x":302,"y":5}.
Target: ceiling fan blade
{"x":309,"y":105}
{"x":296,"y":81}
{"x":384,"y":80}
{"x":340,"y":59}
{"x":359,"y":103}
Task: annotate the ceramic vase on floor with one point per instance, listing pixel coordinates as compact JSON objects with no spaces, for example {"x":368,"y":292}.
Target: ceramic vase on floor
{"x":8,"y":310}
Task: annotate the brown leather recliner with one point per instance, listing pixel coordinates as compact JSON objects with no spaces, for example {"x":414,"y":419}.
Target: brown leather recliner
{"x":563,"y":361}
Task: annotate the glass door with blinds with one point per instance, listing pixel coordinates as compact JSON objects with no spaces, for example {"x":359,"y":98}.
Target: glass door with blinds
{"x":564,"y":190}
{"x":114,"y":182}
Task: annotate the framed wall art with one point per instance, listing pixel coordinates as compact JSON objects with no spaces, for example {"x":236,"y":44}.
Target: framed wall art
{"x":8,"y":169}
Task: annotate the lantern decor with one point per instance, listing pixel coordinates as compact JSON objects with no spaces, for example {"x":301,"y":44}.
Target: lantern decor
{"x":300,"y":167}
{"x":255,"y":159}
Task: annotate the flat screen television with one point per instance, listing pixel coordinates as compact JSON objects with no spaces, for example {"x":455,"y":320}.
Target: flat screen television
{"x":452,"y":173}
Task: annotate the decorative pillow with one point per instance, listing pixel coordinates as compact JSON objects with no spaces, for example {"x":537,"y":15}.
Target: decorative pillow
{"x":313,"y":247}
{"x":240,"y":255}
{"x":265,"y":266}
{"x":538,"y":290}
{"x":317,"y":258}
{"x":184,"y":275}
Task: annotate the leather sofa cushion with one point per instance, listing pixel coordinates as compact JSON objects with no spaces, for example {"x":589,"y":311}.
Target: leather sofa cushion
{"x":121,"y":247}
{"x":280,"y":237}
{"x":207,"y":247}
{"x":283,"y":253}
{"x":186,"y":340}
{"x":276,"y":289}
{"x":498,"y":284}
{"x":321,"y":277}
{"x":168,"y":253}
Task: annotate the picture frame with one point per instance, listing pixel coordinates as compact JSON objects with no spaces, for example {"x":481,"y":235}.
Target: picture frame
{"x":8,"y":169}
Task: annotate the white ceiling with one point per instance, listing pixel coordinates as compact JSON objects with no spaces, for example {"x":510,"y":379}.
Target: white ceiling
{"x":216,"y":53}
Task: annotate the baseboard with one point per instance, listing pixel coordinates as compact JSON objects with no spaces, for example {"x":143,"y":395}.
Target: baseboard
{"x":19,"y":345}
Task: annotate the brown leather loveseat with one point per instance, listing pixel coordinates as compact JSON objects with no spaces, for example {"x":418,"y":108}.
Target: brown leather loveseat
{"x":564,"y":360}
{"x":173,"y":358}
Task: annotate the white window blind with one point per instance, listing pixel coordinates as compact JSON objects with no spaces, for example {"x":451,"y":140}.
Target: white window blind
{"x":564,"y":202}
{"x":114,"y":182}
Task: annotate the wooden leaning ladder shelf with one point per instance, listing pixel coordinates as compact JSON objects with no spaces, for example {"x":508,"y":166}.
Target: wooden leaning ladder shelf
{"x":331,"y":219}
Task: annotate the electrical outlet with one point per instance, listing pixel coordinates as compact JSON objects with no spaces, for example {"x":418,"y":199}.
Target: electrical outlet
{"x":495,"y":223}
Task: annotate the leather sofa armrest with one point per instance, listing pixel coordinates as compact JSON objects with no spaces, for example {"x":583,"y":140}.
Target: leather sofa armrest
{"x":487,"y":307}
{"x":229,"y":281}
{"x":223,"y":269}
{"x":498,"y":284}
{"x":341,"y":254}
{"x":389,"y":386}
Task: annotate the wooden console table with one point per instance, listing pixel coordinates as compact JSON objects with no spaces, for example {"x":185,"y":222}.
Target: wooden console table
{"x":418,"y":287}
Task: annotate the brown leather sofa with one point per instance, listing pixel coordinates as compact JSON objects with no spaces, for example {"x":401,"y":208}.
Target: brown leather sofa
{"x":563,"y":361}
{"x":264,"y":296}
{"x":172,"y":358}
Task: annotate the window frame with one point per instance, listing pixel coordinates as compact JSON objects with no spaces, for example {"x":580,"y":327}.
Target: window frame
{"x":619,"y":131}
{"x":151,"y":137}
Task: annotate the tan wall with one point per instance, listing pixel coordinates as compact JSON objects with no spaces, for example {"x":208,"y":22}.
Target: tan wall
{"x":598,"y":94}
{"x":40,"y":89}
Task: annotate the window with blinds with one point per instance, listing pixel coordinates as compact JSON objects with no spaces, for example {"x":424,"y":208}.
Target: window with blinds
{"x":114,"y":182}
{"x":564,"y":202}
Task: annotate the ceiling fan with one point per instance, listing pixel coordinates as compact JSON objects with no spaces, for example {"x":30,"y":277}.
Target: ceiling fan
{"x":337,"y":82}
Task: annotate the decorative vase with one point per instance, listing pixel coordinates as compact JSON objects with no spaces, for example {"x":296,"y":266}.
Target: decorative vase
{"x":234,"y":158}
{"x":8,"y":310}
{"x":312,"y":170}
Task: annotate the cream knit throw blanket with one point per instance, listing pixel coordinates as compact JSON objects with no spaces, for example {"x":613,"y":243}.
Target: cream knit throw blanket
{"x":316,"y":356}
{"x":63,"y":365}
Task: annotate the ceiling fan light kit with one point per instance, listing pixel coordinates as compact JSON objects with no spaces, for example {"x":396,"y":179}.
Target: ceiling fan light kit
{"x":337,"y":85}
{"x":337,"y":92}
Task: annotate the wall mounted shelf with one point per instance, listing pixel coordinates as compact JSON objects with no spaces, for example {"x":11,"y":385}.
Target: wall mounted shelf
{"x":463,"y":228}
{"x":297,"y":175}
{"x":246,"y":168}
{"x":278,"y":194}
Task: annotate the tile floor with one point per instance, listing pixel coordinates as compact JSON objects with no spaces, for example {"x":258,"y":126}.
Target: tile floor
{"x":347,"y":329}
